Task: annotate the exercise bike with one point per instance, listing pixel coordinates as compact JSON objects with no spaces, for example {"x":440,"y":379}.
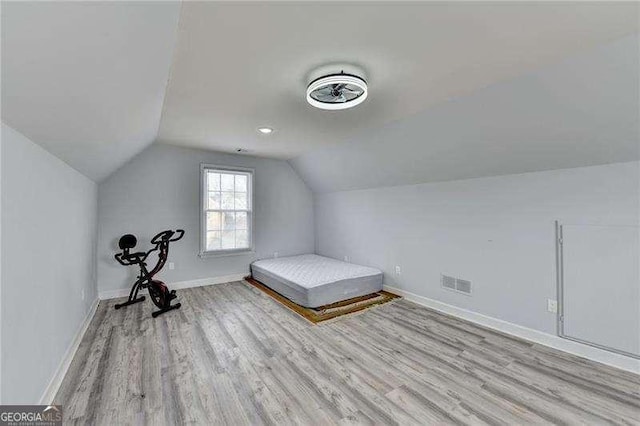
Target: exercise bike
{"x":158,"y":291}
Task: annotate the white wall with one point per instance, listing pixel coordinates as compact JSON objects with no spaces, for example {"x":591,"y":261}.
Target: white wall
{"x":497,"y":232}
{"x":159,"y":189}
{"x":49,"y":215}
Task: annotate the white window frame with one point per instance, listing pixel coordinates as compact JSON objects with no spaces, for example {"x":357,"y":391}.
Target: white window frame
{"x":204,"y":168}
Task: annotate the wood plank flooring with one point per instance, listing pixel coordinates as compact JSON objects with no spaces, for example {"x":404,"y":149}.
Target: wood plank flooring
{"x":232,"y":355}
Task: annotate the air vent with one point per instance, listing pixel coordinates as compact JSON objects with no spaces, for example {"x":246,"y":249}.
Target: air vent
{"x":456,"y":284}
{"x":448,"y":282}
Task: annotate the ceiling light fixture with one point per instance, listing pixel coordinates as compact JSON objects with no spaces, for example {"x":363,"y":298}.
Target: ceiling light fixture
{"x":265,"y":130}
{"x":337,"y":91}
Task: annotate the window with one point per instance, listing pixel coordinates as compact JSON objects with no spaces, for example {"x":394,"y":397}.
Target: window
{"x":226,"y":221}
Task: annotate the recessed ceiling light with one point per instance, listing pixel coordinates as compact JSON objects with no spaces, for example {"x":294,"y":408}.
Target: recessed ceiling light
{"x":337,"y":91}
{"x":265,"y":130}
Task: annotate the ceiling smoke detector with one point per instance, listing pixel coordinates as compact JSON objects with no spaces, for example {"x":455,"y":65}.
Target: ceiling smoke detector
{"x":337,"y":91}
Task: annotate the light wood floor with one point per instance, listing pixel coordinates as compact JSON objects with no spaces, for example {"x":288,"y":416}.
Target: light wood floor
{"x":231,"y":355}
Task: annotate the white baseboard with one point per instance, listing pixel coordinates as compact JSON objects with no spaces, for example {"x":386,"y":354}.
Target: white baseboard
{"x":124,"y":292}
{"x":55,"y":382}
{"x":599,"y":355}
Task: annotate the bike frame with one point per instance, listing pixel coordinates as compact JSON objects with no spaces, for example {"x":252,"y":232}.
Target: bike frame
{"x":145,"y":278}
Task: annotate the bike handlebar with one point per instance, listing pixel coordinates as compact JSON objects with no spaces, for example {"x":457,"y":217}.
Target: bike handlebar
{"x":165,"y":236}
{"x":178,"y":231}
{"x":127,"y":259}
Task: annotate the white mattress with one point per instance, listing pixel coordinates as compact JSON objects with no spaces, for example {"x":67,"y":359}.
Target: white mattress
{"x":311,"y":280}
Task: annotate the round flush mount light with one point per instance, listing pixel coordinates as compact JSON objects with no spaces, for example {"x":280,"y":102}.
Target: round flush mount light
{"x":265,"y":130}
{"x":337,"y":91}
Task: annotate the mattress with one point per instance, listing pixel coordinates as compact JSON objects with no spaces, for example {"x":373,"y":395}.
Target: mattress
{"x":312,"y":281}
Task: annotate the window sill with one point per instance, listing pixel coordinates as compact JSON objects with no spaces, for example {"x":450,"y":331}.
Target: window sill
{"x":207,"y":254}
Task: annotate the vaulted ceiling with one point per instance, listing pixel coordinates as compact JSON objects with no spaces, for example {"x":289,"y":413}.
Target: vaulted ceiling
{"x":95,"y":83}
{"x":582,"y":111}
{"x":86,"y":80}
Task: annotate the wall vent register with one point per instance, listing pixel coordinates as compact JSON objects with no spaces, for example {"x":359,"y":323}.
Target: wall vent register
{"x":456,"y":284}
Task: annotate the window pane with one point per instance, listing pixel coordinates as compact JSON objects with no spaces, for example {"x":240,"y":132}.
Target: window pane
{"x":228,"y":221}
{"x":241,"y":220}
{"x":227,"y":201}
{"x":213,"y":221}
{"x":241,"y":200}
{"x":228,"y":239}
{"x":241,"y":183}
{"x":213,"y":181}
{"x":226,"y":182}
{"x":242,"y":240}
{"x":226,"y":192}
{"x":214,"y":201}
{"x":213,"y":240}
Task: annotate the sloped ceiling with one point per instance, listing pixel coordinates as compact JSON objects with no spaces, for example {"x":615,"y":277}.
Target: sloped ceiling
{"x":242,"y":65}
{"x":86,"y":80}
{"x":583,"y":111}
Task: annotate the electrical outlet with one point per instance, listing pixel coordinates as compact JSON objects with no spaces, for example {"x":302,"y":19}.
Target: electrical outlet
{"x":398,"y":271}
{"x":82,"y":293}
{"x":275,"y":254}
{"x":347,"y":259}
{"x":552,"y":306}
{"x":172,"y":265}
